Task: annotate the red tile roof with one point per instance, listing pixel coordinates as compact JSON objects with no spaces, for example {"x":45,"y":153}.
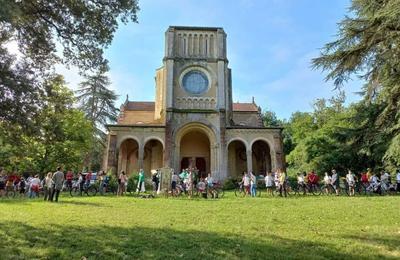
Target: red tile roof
{"x":245,"y":107}
{"x":139,"y":106}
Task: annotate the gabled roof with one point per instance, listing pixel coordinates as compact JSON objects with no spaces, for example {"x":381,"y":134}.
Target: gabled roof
{"x":244,"y":107}
{"x":139,"y":106}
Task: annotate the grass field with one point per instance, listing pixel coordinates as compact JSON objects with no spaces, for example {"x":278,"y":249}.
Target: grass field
{"x":231,"y":228}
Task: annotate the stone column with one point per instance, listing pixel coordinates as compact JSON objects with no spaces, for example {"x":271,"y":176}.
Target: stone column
{"x":112,"y":162}
{"x":141,"y":155}
{"x":249,"y":157}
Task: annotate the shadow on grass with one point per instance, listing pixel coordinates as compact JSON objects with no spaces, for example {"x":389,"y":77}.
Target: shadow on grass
{"x":40,"y":200}
{"x":21,"y":241}
{"x":391,"y":243}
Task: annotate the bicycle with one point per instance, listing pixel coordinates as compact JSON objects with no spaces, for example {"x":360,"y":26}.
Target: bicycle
{"x":216,"y":191}
{"x":310,"y":188}
{"x":328,"y":189}
{"x":10,"y":192}
{"x":90,"y":190}
{"x":240,"y":190}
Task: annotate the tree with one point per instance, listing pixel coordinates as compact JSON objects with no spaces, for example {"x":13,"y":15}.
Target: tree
{"x":80,"y":30}
{"x":270,"y":119}
{"x":63,"y":134}
{"x":368,"y":46}
{"x":97,"y":101}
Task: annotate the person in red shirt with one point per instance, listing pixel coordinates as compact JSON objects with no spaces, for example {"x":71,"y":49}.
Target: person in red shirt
{"x":68,"y":177}
{"x":364,"y":178}
{"x":88,"y":177}
{"x":312,"y":178}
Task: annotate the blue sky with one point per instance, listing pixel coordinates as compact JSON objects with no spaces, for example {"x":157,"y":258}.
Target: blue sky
{"x":270,"y":46}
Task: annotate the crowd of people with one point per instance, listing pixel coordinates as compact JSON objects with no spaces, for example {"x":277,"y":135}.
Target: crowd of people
{"x":51,"y":185}
{"x":190,"y":181}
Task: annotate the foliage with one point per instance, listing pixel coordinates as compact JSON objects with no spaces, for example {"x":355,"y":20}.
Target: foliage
{"x":97,"y":101}
{"x":56,"y":140}
{"x":49,"y":32}
{"x":367,"y":46}
{"x":229,"y":228}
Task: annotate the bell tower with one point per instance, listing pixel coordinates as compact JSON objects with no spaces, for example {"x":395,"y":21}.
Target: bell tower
{"x":195,"y":75}
{"x":194,"y":85}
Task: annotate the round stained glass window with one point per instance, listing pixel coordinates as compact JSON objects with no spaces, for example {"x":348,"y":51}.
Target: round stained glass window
{"x":195,"y":82}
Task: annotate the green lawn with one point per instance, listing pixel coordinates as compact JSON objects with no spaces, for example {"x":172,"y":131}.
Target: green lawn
{"x":232,"y":228}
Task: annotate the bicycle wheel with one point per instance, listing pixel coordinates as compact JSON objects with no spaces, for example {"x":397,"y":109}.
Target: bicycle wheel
{"x":10,"y":194}
{"x":75,"y":192}
{"x":362,"y":189}
{"x":238,"y":192}
{"x":91,"y":191}
{"x":301,"y":190}
{"x":316,"y":190}
{"x":290,"y":190}
{"x":221,"y":193}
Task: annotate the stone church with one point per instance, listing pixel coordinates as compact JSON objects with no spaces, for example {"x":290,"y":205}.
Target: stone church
{"x":193,"y":121}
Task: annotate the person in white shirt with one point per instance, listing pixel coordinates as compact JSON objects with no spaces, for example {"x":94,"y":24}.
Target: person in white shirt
{"x":47,"y":185}
{"x":277,"y":177}
{"x":351,"y":182}
{"x":202,"y":188}
{"x":246,"y":183}
{"x":335,"y":181}
{"x":374,"y":183}
{"x":327,"y":182}
{"x":327,"y":179}
{"x":269,"y":182}
{"x":301,"y":182}
{"x":34,"y":186}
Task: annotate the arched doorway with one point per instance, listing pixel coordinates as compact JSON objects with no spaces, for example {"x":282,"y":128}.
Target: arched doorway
{"x":237,"y":161}
{"x":261,"y":157}
{"x":129,"y":156}
{"x":153,"y":155}
{"x":195,"y":151}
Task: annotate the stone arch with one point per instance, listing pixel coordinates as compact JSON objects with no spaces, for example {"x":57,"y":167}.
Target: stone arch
{"x":154,"y":138}
{"x":238,"y":139}
{"x":128,"y":156}
{"x":153,"y":154}
{"x":137,"y":139}
{"x":237,"y":157}
{"x":200,"y":133}
{"x":261,"y":156}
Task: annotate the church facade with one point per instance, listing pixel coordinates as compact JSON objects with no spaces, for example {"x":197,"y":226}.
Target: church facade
{"x":193,"y":121}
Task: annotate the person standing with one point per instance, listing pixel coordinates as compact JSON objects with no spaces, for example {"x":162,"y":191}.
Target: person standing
{"x":269,"y":183}
{"x":351,"y":182}
{"x":253,"y":184}
{"x":156,"y":181}
{"x":47,"y":185}
{"x":246,"y":183}
{"x":122,"y":180}
{"x":68,"y":177}
{"x":34,"y":186}
{"x":88,"y":178}
{"x":335,"y":182}
{"x":141,"y":186}
{"x":282,"y":183}
{"x":58,"y":180}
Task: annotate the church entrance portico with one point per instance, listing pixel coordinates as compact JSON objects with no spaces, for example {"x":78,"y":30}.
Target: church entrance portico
{"x":195,"y":149}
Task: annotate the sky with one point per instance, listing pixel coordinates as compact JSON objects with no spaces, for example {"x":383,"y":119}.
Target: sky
{"x":270,"y":46}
